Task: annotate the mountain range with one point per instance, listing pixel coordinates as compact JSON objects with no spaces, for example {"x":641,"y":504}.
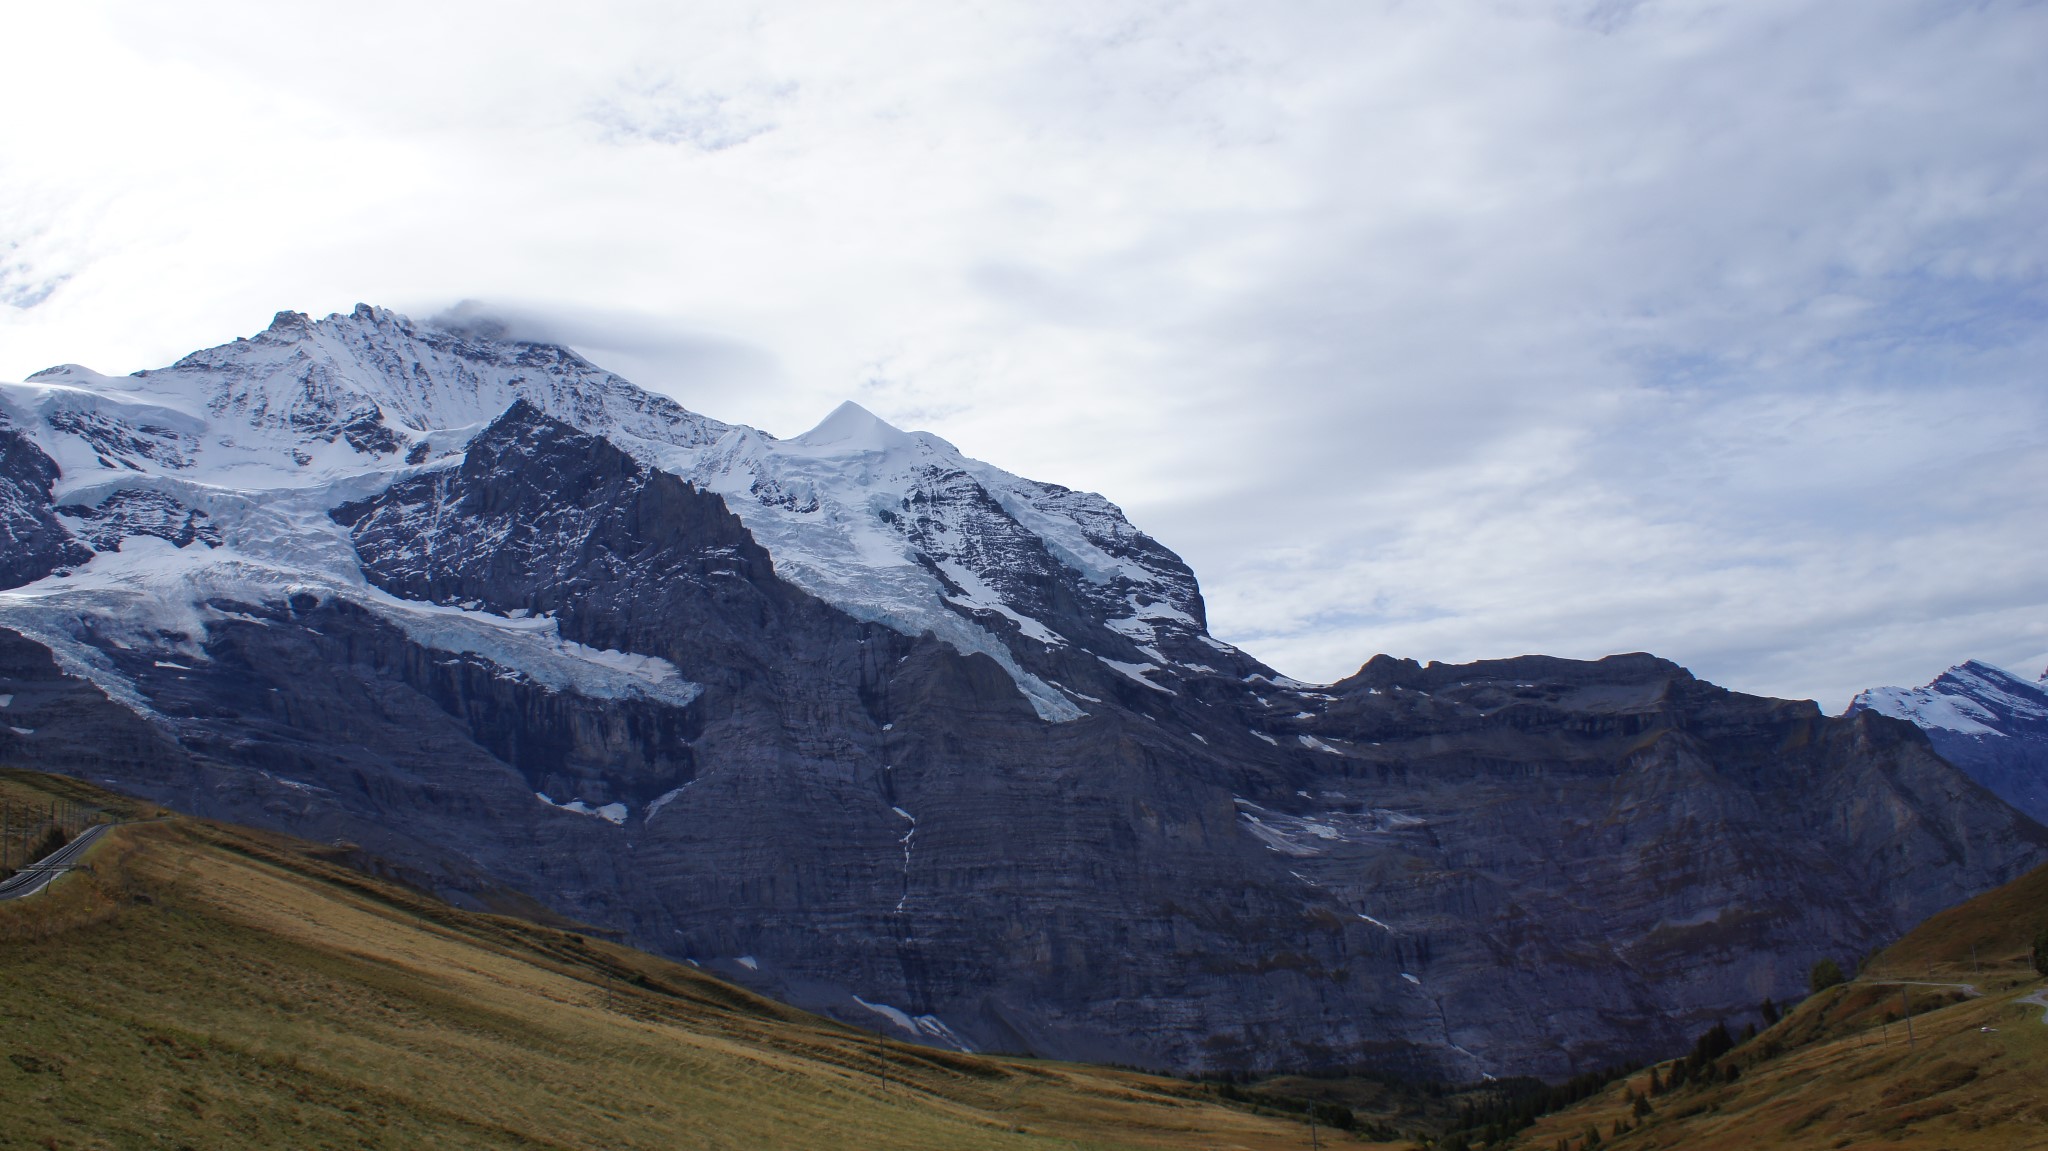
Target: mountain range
{"x":897,"y":736}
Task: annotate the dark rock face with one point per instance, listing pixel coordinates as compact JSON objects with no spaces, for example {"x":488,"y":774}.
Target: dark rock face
{"x":32,"y":543}
{"x":577,"y":678}
{"x":1985,"y":720}
{"x":127,"y":446}
{"x":1620,"y":829}
{"x":139,"y":512}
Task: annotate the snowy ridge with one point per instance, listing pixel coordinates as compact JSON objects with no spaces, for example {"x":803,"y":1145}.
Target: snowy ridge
{"x":1972,"y":698}
{"x":263,"y":436}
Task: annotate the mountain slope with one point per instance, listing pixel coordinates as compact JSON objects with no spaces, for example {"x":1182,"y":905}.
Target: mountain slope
{"x":1986,"y":720}
{"x":209,"y":986}
{"x":904,"y":739}
{"x":1841,"y":1069}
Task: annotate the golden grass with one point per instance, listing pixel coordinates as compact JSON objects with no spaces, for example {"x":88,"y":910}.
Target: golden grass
{"x":209,"y":987}
{"x":1956,"y":1087}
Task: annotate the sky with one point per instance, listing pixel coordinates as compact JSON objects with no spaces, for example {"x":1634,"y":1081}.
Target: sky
{"x":1451,"y":330}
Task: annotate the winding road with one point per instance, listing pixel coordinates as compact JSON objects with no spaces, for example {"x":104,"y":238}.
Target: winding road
{"x":44,"y":871}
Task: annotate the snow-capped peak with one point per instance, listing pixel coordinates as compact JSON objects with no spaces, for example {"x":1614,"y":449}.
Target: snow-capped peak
{"x":306,"y":402}
{"x":852,"y":428}
{"x":1971,"y":698}
{"x":265,"y":434}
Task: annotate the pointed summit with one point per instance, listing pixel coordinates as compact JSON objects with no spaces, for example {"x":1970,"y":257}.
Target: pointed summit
{"x":852,"y":428}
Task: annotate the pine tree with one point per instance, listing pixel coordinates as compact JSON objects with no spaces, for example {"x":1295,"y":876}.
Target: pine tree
{"x":2041,"y":952}
{"x":1825,"y":974}
{"x":1769,"y":1011}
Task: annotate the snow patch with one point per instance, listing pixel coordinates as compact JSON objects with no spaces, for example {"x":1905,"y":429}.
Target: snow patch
{"x":922,"y":1027}
{"x":978,"y":596}
{"x":1136,"y":673}
{"x":664,"y":799}
{"x":1304,"y":835}
{"x":534,"y":647}
{"x":612,"y":813}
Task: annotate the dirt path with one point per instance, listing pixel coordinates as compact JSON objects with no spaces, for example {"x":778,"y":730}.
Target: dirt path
{"x":1969,"y":990}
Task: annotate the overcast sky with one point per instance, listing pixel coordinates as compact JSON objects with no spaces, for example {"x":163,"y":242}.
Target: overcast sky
{"x":1450,"y":330}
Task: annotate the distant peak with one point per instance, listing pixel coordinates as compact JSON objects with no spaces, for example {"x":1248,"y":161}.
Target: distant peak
{"x":1992,"y":672}
{"x":290,"y":322}
{"x":851,"y":427}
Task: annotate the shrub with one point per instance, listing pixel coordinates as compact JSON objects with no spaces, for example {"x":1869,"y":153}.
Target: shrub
{"x":1335,"y":1115}
{"x":1825,"y":974}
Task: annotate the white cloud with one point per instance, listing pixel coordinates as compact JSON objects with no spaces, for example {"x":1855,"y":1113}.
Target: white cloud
{"x":1451,"y":330}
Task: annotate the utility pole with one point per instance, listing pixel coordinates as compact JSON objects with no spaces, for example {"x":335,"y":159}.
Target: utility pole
{"x":1315,"y":1140}
{"x":1907,"y":1012}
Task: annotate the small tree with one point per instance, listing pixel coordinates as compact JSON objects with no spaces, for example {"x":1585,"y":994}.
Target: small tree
{"x":1640,"y":1107}
{"x":1825,"y":974}
{"x":2041,"y":952}
{"x":1770,"y":1013}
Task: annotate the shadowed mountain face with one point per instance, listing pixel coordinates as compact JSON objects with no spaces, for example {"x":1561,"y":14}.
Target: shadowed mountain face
{"x":1986,"y":720}
{"x":900,"y":737}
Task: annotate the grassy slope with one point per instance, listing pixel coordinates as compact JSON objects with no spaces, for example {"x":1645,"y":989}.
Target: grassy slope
{"x":1838,"y":1072}
{"x":212,"y":987}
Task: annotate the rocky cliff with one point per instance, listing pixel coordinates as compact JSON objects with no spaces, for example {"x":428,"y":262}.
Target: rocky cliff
{"x":902,"y":737}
